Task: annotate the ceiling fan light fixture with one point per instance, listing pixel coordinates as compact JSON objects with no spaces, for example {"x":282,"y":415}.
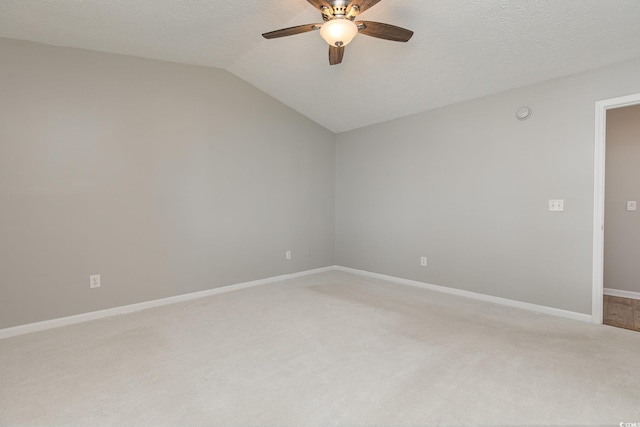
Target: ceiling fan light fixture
{"x":339,"y":29}
{"x":338,"y":32}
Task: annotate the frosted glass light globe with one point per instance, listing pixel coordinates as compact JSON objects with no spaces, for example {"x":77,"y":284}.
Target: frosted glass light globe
{"x":338,"y":32}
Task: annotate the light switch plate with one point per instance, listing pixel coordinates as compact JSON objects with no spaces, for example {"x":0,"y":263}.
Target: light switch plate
{"x":632,"y":205}
{"x":556,"y":205}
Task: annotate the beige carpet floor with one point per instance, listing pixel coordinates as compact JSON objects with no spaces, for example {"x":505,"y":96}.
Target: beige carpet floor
{"x":324,"y":350}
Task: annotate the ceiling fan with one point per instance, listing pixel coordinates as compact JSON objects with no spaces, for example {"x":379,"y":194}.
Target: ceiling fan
{"x":339,"y":27}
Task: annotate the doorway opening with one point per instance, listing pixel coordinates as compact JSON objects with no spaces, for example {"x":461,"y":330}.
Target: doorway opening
{"x":599,"y":198}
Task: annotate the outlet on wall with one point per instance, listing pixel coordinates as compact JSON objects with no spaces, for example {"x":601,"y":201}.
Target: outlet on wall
{"x":423,"y":261}
{"x":556,"y":205}
{"x":94,"y":281}
{"x":287,"y":255}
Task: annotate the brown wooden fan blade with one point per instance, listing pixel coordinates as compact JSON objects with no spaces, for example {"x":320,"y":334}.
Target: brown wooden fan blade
{"x":291,"y":31}
{"x":384,"y":31}
{"x":363,"y":4}
{"x":318,"y":4}
{"x":335,"y":54}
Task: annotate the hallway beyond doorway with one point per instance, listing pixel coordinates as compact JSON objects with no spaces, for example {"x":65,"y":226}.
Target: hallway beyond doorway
{"x":622,"y":312}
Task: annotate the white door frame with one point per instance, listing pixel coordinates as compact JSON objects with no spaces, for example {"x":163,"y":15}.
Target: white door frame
{"x":598,"y":201}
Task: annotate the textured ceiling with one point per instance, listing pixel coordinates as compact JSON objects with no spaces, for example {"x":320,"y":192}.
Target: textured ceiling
{"x":462,"y":49}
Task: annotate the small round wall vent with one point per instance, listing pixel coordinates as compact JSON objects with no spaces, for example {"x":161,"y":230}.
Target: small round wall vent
{"x":523,"y":113}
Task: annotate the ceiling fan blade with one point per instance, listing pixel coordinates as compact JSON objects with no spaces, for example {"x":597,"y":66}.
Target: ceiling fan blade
{"x":291,"y":31}
{"x":362,"y":4}
{"x":384,"y":31}
{"x":335,"y":54}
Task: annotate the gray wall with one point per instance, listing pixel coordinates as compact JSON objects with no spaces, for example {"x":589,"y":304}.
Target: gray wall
{"x":468,"y":186}
{"x":163,"y":178}
{"x":168,"y":179}
{"x":622,"y":227}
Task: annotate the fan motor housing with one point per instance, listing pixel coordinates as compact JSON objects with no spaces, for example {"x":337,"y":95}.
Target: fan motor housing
{"x":339,"y":3}
{"x":339,"y":9}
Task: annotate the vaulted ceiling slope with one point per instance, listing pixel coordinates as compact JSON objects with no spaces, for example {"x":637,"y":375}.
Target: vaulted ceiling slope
{"x":461,"y":49}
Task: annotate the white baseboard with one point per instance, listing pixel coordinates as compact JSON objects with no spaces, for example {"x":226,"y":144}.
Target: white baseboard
{"x":481,"y":297}
{"x":85,"y":317}
{"x":621,"y":293}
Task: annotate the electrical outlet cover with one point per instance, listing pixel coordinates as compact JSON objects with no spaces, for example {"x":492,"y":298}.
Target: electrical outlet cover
{"x":94,"y":281}
{"x":556,"y":205}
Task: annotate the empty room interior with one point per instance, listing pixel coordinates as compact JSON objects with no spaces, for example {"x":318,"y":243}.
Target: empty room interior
{"x":205,"y":219}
